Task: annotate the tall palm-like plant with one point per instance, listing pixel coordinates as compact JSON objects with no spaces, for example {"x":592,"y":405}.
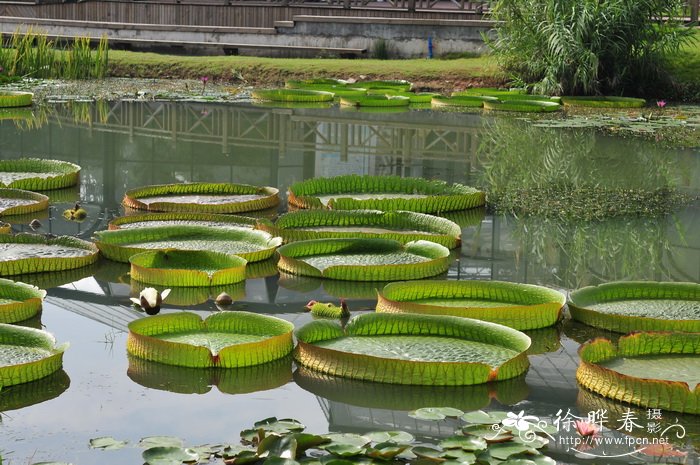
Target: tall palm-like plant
{"x":587,"y":46}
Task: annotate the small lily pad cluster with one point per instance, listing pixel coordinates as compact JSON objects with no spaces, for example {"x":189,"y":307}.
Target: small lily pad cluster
{"x":479,"y":438}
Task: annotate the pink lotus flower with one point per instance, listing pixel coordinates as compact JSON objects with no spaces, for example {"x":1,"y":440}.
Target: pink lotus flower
{"x":204,"y":80}
{"x":661,"y":103}
{"x":586,"y":429}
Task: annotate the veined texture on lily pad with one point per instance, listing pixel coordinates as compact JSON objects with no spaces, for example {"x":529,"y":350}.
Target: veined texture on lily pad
{"x":386,"y":193}
{"x":650,"y":369}
{"x":213,"y":220}
{"x":21,"y":202}
{"x":520,"y":306}
{"x":33,"y":253}
{"x":27,"y":354}
{"x":187,"y":268}
{"x":414,"y":349}
{"x":626,"y":306}
{"x":226,"y":340}
{"x":201,"y":197}
{"x":364,"y":259}
{"x":19,"y":301}
{"x":35,"y":174}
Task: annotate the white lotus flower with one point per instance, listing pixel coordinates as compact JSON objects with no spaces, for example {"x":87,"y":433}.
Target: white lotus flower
{"x":150,"y":299}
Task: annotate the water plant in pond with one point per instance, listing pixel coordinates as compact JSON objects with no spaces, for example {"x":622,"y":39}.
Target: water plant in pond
{"x":187,"y":268}
{"x":33,"y":253}
{"x":364,"y":259}
{"x":473,"y":101}
{"x":374,"y":100}
{"x":650,"y":369}
{"x":387,"y":193}
{"x":201,"y":197}
{"x":401,"y":85}
{"x":27,"y":354}
{"x":397,"y":225}
{"x":121,"y":244}
{"x":414,"y":97}
{"x":150,"y":300}
{"x":226,"y":340}
{"x":519,"y":306}
{"x":413,"y":349}
{"x":520,"y":105}
{"x":10,"y":99}
{"x":189,"y":296}
{"x":77,"y":213}
{"x":603,"y":102}
{"x":21,"y":202}
{"x":328,"y":309}
{"x":34,"y":174}
{"x":181,"y":219}
{"x":626,"y":306}
{"x":293,"y":95}
{"x":19,"y":301}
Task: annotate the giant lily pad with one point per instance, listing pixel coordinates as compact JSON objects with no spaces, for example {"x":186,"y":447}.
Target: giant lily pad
{"x":211,"y":220}
{"x":650,"y":369}
{"x":27,"y":354}
{"x":398,"y":225}
{"x":384,"y":193}
{"x":375,"y":101}
{"x":252,"y":245}
{"x":20,"y":202}
{"x":196,"y":380}
{"x":520,"y":306}
{"x":32,"y":253}
{"x":226,"y":340}
{"x":364,"y":259}
{"x":409,"y":397}
{"x":638,"y":306}
{"x":293,"y":95}
{"x":413,"y":349}
{"x":187,"y":268}
{"x":10,"y":99}
{"x":34,"y":174}
{"x":473,"y":101}
{"x":603,"y":102}
{"x":520,"y":105}
{"x":19,"y":301}
{"x":201,"y":197}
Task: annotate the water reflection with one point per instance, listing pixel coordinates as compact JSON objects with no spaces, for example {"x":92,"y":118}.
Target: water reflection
{"x":23,"y":395}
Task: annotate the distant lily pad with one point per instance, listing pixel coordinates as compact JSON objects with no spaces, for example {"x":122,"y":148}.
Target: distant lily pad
{"x":413,"y":349}
{"x":32,"y":253}
{"x":187,"y":268}
{"x":227,"y":340}
{"x":603,"y":102}
{"x":11,"y":99}
{"x":19,"y":301}
{"x":21,"y":202}
{"x":650,"y":369}
{"x":520,"y":306}
{"x":252,"y":245}
{"x":397,"y":225}
{"x":27,"y":354}
{"x":364,"y":259}
{"x":627,"y":306}
{"x":169,"y":456}
{"x":386,"y":193}
{"x":211,"y":220}
{"x":34,"y":174}
{"x":201,"y":198}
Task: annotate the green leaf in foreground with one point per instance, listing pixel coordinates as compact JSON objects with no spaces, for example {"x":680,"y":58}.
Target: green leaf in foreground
{"x":169,"y":456}
{"x":399,"y":437}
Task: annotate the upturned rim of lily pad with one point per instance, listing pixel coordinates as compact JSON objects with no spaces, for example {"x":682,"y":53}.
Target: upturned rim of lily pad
{"x":26,"y":301}
{"x":535,"y":306}
{"x":432,"y":228}
{"x":187,"y":268}
{"x":233,"y":220}
{"x":40,"y":264}
{"x":603,"y":101}
{"x":436,"y":259}
{"x":39,"y":202}
{"x":440,"y":196}
{"x":269,"y":197}
{"x":20,"y":373}
{"x":580,"y":301}
{"x":143,"y":341}
{"x":646,"y":392}
{"x":401,"y":371}
{"x":67,"y":174}
{"x":15,"y":98}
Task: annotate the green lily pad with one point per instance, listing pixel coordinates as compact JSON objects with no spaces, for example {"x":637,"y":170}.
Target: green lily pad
{"x":160,"y":441}
{"x":413,"y":349}
{"x":397,"y":437}
{"x":397,"y":225}
{"x":201,"y":198}
{"x":344,"y":450}
{"x":122,"y":244}
{"x":169,"y":456}
{"x":21,"y":202}
{"x":211,"y":220}
{"x":27,"y":354}
{"x":455,"y":456}
{"x":34,"y":174}
{"x":603,"y":102}
{"x":473,"y":101}
{"x":386,"y":450}
{"x":467,"y":443}
{"x":486,"y":432}
{"x":292,"y":95}
{"x":534,"y":459}
{"x":347,"y":439}
{"x":435,"y":413}
{"x":12,"y":99}
{"x":363,"y":259}
{"x":396,"y":84}
{"x":627,"y":306}
{"x":385,"y":193}
{"x":505,"y":450}
{"x":375,"y":101}
{"x":434,"y":455}
{"x":107,"y":443}
{"x":32,"y":253}
{"x":278,"y":446}
{"x":519,"y":105}
{"x":227,"y":340}
{"x":187,"y":268}
{"x":19,"y":301}
{"x":520,"y":306}
{"x":479,"y":417}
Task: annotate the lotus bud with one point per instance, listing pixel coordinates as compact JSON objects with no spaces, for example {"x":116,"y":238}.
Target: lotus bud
{"x":224,"y":299}
{"x":150,"y":300}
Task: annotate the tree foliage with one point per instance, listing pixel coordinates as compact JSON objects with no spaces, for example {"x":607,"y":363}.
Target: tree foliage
{"x":587,"y":46}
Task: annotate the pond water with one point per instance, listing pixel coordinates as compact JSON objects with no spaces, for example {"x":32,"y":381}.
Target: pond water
{"x":123,"y":145}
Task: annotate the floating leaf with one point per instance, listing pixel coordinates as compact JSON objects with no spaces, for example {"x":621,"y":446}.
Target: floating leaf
{"x":33,"y":253}
{"x":386,"y":450}
{"x":160,"y":441}
{"x":435,"y":413}
{"x":284,"y":425}
{"x":467,"y":443}
{"x":35,"y":174}
{"x":480,"y":417}
{"x":21,"y":202}
{"x":12,"y":99}
{"x":459,"y":456}
{"x":349,"y":439}
{"x":429,"y":453}
{"x":344,"y":450}
{"x":19,"y":301}
{"x":187,"y":268}
{"x":279,"y":461}
{"x":106,"y":443}
{"x":486,"y":432}
{"x":28,"y":354}
{"x":536,"y":459}
{"x":504,"y":450}
{"x":211,"y":220}
{"x":162,"y":455}
{"x":398,"y":437}
{"x":292,"y":95}
{"x":278,"y":446}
